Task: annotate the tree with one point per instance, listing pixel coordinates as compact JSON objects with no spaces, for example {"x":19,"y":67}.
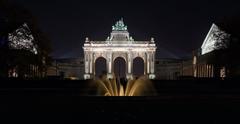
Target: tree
{"x":231,"y":39}
{"x":12,"y":18}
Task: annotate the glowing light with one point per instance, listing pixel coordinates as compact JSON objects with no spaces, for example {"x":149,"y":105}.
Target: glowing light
{"x":223,"y":72}
{"x":152,"y":76}
{"x":22,"y":39}
{"x":119,"y":26}
{"x":140,"y":87}
{"x":73,"y":78}
{"x":86,"y":76}
{"x":214,"y":40}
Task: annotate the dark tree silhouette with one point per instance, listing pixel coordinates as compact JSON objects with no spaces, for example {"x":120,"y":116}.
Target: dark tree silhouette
{"x":229,"y":56}
{"x":11,"y":18}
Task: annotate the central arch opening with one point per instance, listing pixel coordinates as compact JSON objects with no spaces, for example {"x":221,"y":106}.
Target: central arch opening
{"x":100,"y":67}
{"x":138,"y":67}
{"x":120,"y":67}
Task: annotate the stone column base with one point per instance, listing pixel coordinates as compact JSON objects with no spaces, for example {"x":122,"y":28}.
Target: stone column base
{"x":87,"y":76}
{"x":151,"y":76}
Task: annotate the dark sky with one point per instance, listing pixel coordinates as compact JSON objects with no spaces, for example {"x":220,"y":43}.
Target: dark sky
{"x":178,"y":26}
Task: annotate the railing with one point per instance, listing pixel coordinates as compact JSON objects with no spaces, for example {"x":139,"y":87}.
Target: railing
{"x":127,"y":42}
{"x":120,"y":43}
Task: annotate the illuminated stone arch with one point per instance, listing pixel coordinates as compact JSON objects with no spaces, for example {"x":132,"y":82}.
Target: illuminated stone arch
{"x":138,"y":67}
{"x":101,"y":64}
{"x":123,"y":68}
{"x":119,"y":44}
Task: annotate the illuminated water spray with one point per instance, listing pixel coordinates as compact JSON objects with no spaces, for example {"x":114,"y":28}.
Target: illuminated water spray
{"x":113,"y":87}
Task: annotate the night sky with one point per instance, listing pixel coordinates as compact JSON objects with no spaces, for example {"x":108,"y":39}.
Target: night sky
{"x":177,"y":26}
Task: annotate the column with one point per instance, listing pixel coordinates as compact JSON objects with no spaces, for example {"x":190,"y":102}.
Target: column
{"x":90,"y":63}
{"x":194,"y":71}
{"x":203,"y":70}
{"x":152,"y":65}
{"x":207,"y":68}
{"x":93,"y":58}
{"x":129,"y":65}
{"x":148,"y":63}
{"x":87,"y":65}
{"x":145,"y":63}
{"x":109,"y":66}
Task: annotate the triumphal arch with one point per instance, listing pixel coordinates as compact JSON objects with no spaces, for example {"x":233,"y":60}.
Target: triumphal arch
{"x":119,"y":44}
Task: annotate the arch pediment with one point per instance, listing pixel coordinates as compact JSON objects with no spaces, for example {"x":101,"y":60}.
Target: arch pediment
{"x":121,"y":55}
{"x":99,"y":55}
{"x":141,"y":55}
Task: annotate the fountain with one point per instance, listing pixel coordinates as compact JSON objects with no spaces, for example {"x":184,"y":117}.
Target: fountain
{"x":141,"y":86}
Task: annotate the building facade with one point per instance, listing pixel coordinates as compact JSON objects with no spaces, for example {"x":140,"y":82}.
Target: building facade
{"x":215,"y":59}
{"x":69,"y":68}
{"x":168,"y":69}
{"x":119,"y":45}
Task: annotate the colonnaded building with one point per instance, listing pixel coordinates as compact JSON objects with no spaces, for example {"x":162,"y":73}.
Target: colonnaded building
{"x":122,"y":56}
{"x":119,"y":46}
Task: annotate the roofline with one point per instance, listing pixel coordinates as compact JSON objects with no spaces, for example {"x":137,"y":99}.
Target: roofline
{"x":209,"y":32}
